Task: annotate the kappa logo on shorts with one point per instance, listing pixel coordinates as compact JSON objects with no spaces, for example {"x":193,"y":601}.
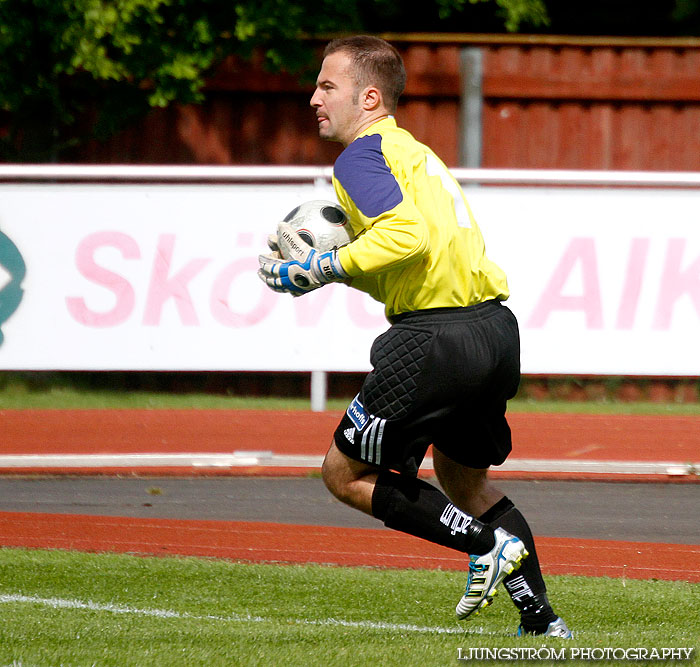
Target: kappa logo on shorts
{"x":357,"y":414}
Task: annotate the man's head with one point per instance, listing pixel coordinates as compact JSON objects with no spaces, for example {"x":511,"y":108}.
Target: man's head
{"x":360,"y":81}
{"x":374,"y":63}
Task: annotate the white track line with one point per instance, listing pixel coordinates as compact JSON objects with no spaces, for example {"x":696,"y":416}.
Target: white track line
{"x":87,"y":605}
{"x":247,"y":459}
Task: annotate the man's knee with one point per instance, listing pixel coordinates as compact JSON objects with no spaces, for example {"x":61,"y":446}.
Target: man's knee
{"x":453,"y":474}
{"x":332,"y":473}
{"x":348,"y":480}
{"x":468,"y":488}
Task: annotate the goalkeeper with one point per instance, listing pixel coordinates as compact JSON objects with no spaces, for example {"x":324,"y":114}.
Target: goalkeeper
{"x":444,"y":370}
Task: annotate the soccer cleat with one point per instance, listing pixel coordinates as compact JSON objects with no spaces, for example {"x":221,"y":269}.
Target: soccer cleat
{"x":556,"y":628}
{"x":487,"y":571}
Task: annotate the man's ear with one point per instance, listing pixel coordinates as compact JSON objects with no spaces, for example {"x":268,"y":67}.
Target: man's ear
{"x":371,"y":98}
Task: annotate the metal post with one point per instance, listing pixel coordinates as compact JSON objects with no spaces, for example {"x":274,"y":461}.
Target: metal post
{"x":471,"y":108}
{"x":318,"y":391}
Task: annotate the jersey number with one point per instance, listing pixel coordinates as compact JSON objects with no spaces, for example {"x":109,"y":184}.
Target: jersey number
{"x":435,"y":168}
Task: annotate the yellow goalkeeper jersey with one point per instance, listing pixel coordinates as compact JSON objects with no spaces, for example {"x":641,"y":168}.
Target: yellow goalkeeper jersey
{"x":418,"y":245}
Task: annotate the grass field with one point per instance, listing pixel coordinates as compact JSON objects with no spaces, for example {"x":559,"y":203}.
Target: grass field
{"x":19,"y":397}
{"x":48,"y":390}
{"x":59,"y":608}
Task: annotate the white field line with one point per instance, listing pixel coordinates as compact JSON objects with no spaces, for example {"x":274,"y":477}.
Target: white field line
{"x":62,"y":603}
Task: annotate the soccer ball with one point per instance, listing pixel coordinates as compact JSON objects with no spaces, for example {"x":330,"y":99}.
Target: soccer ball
{"x":322,"y":224}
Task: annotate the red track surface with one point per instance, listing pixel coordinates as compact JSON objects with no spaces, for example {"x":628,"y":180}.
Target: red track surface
{"x":543,"y":436}
{"x":274,"y":542}
{"x":614,"y":438}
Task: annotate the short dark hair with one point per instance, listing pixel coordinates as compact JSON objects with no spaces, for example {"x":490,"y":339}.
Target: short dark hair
{"x":375,"y":63}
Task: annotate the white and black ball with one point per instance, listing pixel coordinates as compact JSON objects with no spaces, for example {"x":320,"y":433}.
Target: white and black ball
{"x":322,"y":224}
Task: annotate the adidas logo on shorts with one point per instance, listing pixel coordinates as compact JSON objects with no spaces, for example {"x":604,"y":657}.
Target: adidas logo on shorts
{"x":349,"y":434}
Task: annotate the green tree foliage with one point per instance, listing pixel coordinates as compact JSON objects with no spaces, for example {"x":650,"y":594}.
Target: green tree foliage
{"x":455,"y":16}
{"x":628,"y":18}
{"x":75,"y":69}
{"x":70,"y":69}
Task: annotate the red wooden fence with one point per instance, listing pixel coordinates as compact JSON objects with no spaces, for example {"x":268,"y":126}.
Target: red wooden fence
{"x":548,"y":102}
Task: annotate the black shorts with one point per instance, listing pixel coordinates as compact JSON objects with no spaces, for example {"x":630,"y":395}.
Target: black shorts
{"x":442,"y":377}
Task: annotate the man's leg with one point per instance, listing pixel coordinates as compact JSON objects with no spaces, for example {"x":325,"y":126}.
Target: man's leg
{"x":410,"y":505}
{"x":404,"y":503}
{"x":471,"y":490}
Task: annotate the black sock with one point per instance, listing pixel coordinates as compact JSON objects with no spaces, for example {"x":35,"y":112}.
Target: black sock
{"x":526,"y":585}
{"x":415,"y":507}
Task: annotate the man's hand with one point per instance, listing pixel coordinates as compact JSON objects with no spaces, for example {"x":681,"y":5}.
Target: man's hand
{"x":296,"y":267}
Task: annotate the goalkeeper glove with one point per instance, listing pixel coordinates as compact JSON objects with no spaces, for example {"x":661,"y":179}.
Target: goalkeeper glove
{"x":298,"y":268}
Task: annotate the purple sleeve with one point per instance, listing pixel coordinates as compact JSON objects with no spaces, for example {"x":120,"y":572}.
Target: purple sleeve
{"x":364,"y":174}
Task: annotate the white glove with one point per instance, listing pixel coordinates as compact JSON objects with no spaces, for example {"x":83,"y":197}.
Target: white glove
{"x":272,"y":243}
{"x":296,"y":267}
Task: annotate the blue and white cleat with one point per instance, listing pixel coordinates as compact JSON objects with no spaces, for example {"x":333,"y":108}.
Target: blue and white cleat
{"x":489,"y":570}
{"x":555,"y":629}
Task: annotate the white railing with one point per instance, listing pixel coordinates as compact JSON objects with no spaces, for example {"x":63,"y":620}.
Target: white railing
{"x":223,"y":174}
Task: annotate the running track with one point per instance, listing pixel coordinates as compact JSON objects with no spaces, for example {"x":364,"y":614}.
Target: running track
{"x":545,"y":437}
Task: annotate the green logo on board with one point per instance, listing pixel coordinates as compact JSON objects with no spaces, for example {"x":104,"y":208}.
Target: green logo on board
{"x":12,"y":273}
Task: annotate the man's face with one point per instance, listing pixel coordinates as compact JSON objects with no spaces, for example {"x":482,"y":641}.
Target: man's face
{"x":336,"y":102}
